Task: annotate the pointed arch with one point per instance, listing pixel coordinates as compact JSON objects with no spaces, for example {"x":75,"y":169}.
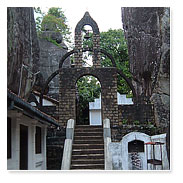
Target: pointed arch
{"x":87,"y":20}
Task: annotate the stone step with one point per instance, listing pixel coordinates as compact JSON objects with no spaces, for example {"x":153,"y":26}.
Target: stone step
{"x":96,"y":134}
{"x":88,"y":167}
{"x":89,"y":141}
{"x":88,"y":156}
{"x":87,"y":146}
{"x":88,"y":126}
{"x":87,"y":161}
{"x":88,"y":138}
{"x":88,"y":130}
{"x":87,"y":152}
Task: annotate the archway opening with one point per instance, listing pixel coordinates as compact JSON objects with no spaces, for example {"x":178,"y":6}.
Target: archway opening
{"x":87,"y":41}
{"x":88,"y":103}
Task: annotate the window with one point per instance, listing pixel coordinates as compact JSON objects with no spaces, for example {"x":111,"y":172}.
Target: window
{"x":38,"y":140}
{"x":9,"y":138}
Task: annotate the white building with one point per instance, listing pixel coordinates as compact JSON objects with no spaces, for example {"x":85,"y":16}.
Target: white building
{"x":26,"y":135}
{"x":95,"y":108}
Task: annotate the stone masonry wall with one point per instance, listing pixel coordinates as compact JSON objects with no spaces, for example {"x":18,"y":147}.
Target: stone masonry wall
{"x":55,"y":147}
{"x":122,"y":130}
{"x":108,"y":81}
{"x":96,"y":47}
{"x":136,"y":114}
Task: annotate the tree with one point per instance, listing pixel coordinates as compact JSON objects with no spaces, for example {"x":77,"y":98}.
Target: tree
{"x":39,"y":17}
{"x":88,"y":89}
{"x":54,"y":20}
{"x":113,"y":42}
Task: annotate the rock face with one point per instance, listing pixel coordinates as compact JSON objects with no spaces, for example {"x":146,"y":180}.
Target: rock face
{"x":147,"y":31}
{"x":23,"y":50}
{"x":52,"y":50}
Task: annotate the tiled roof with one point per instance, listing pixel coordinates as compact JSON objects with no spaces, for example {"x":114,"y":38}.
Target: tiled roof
{"x":20,"y":102}
{"x":47,"y":97}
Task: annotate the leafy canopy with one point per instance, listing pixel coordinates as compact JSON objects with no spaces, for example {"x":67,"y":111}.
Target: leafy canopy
{"x":88,"y":88}
{"x":53,"y":20}
{"x":113,"y":42}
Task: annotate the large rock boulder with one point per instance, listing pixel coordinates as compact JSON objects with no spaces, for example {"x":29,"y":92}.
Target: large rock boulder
{"x":52,"y":49}
{"x":23,"y":50}
{"x":147,"y":31}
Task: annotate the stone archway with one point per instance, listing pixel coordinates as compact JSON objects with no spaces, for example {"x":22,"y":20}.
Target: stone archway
{"x":84,"y":114}
{"x":108,"y":81}
{"x":69,"y":76}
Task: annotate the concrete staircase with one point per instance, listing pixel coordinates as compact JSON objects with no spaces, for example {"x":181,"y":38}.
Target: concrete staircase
{"x":88,"y":148}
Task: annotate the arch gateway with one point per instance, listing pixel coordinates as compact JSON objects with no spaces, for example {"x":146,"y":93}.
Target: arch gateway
{"x":69,"y":77}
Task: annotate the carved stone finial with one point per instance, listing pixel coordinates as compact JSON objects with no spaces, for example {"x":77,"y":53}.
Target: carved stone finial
{"x":86,"y":14}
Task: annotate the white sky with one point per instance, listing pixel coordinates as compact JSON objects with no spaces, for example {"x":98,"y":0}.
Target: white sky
{"x":106,"y":14}
{"x":101,"y":14}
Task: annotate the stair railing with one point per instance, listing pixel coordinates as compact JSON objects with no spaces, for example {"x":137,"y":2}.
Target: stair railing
{"x":67,"y":155}
{"x":107,"y":141}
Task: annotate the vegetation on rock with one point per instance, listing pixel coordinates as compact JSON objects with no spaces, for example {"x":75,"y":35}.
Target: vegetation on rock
{"x":53,"y":20}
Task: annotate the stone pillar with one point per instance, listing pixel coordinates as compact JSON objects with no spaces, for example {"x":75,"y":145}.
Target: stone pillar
{"x":96,"y":48}
{"x":78,"y":46}
{"x":66,"y":99}
{"x":109,"y":97}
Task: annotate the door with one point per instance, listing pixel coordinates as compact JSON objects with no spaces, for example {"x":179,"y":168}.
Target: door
{"x":23,"y":147}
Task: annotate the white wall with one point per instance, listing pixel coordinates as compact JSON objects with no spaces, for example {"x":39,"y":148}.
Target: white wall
{"x":45,"y":102}
{"x":121,"y":158}
{"x":123,"y":100}
{"x":96,"y":104}
{"x":161,"y":138}
{"x":95,"y":108}
{"x":35,"y":161}
{"x":124,"y":148}
{"x":95,"y":117}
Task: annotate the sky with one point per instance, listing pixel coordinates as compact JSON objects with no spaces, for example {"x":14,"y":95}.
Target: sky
{"x":106,"y":15}
{"x":104,"y":18}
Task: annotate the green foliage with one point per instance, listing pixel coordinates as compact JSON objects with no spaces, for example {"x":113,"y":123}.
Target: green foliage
{"x":149,"y":123}
{"x":124,"y":121}
{"x":113,"y":42}
{"x":53,"y":41}
{"x":54,"y":20}
{"x":39,"y":18}
{"x":136,"y":122}
{"x":88,"y":88}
